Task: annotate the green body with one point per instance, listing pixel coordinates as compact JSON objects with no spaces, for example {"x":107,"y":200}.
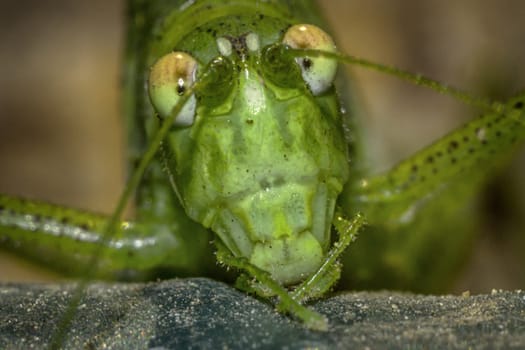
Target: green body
{"x":274,"y":174}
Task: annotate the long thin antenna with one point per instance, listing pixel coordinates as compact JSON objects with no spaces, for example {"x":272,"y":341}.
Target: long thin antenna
{"x":114,"y":220}
{"x":417,"y":79}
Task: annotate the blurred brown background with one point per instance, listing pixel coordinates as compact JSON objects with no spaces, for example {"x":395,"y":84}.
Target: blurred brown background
{"x":60,"y":135}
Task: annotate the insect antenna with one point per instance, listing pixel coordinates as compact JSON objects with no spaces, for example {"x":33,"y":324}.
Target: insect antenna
{"x":113,"y":222}
{"x":417,"y":79}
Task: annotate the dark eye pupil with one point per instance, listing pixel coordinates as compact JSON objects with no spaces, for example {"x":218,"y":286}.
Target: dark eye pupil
{"x":180,"y":89}
{"x":307,"y":63}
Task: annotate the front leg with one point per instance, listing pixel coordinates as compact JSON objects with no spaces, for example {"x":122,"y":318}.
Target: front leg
{"x":315,"y":286}
{"x":328,"y":274}
{"x":311,"y":319}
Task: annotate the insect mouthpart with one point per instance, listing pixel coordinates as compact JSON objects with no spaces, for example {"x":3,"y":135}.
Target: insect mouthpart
{"x":289,"y":260}
{"x":280,"y":229}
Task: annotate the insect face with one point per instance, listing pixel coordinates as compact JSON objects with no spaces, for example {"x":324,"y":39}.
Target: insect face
{"x":257,"y":166}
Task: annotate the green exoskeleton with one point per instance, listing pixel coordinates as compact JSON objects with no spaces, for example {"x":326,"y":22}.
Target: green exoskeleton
{"x":260,"y":156}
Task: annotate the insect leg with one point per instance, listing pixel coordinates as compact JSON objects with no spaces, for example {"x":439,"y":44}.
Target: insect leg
{"x":422,"y":214}
{"x":311,"y":319}
{"x":323,"y":279}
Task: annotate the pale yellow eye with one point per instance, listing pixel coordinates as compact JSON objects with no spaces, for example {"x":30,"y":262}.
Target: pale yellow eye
{"x":317,"y":72}
{"x":169,"y":78}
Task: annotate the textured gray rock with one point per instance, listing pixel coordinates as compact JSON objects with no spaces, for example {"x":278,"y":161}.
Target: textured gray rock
{"x":202,"y":313}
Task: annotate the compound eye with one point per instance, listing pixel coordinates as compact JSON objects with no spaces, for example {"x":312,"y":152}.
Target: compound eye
{"x":317,"y":72}
{"x":169,"y":78}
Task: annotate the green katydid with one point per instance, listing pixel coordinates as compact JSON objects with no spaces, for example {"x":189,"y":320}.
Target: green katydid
{"x":351,"y":199}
